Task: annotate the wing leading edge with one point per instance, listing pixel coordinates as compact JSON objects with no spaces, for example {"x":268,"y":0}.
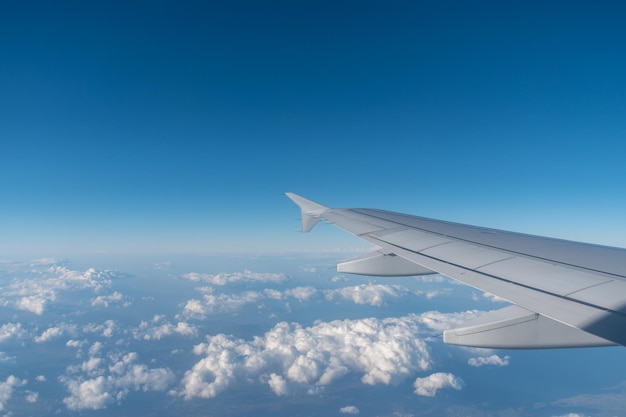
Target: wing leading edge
{"x":566,"y":294}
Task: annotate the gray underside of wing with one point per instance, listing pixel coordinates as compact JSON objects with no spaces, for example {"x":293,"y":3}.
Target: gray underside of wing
{"x":573,"y":294}
{"x":514,"y":327}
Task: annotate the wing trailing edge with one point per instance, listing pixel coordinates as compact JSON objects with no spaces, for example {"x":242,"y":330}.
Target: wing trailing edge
{"x":514,"y":327}
{"x":382,"y":265}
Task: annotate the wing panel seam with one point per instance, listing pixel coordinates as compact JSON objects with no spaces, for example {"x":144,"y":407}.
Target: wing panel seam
{"x":434,"y":246}
{"x":564,"y":297}
{"x":494,"y":262}
{"x":590,"y":286}
{"x":496,"y":248}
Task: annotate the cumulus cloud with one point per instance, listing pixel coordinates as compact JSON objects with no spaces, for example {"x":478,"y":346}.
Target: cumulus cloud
{"x":301,"y":293}
{"x":6,"y":389}
{"x":218,"y":303}
{"x":75,"y":343}
{"x":350,"y":409}
{"x":289,"y":356}
{"x":493,"y":360}
{"x":95,"y":348}
{"x":213,"y":302}
{"x":105,"y":329}
{"x":11,"y":330}
{"x":230,"y":278}
{"x":106,"y":300}
{"x":36,"y":303}
{"x":41,"y":283}
{"x":48,"y":334}
{"x":368,"y":294}
{"x":32,"y":397}
{"x":98,"y":382}
{"x":158,"y":328}
{"x":278,"y":384}
{"x":378,"y":294}
{"x":429,"y":386}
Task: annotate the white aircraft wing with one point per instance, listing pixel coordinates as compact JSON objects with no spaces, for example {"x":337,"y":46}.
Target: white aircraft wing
{"x":565,"y":294}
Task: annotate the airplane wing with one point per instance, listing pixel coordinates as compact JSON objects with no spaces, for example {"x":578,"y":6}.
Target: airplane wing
{"x":565,"y":294}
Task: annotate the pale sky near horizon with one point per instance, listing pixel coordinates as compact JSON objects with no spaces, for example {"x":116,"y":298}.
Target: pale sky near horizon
{"x":177,"y":126}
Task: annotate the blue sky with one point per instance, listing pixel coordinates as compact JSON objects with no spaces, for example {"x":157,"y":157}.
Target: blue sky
{"x":176,"y":127}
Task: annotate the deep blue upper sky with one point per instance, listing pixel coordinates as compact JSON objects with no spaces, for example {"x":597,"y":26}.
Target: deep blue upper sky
{"x":176,"y":126}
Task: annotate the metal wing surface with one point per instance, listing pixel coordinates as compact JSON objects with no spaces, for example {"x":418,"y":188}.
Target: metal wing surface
{"x":566,"y":294}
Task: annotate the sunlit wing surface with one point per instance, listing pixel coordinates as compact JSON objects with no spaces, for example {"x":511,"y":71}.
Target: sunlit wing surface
{"x":566,"y":294}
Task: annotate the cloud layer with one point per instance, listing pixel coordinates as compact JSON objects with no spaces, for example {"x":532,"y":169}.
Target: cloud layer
{"x":429,"y":386}
{"x":103,"y":367}
{"x":493,"y":360}
{"x":291,"y":357}
{"x":44,"y":282}
{"x":100,"y":381}
{"x":230,"y":278}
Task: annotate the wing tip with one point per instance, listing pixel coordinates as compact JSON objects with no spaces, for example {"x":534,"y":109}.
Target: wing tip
{"x":310,"y":210}
{"x":306,"y":205}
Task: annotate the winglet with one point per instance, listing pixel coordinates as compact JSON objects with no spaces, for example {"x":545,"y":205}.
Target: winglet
{"x":310,"y":211}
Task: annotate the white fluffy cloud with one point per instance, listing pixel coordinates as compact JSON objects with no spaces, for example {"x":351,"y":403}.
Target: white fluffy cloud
{"x":213,"y":302}
{"x":159,"y":327}
{"x":382,"y":351}
{"x":369,"y":294}
{"x":6,"y":389}
{"x":11,"y":330}
{"x":48,"y":334}
{"x":229,"y":278}
{"x":218,"y":303}
{"x":99,"y":382}
{"x":429,"y":386}
{"x":75,"y":343}
{"x":301,"y":293}
{"x":105,"y":329}
{"x":43,"y":281}
{"x":493,"y":360}
{"x":106,"y":300}
{"x":36,"y":303}
{"x":278,"y":384}
{"x":350,"y":409}
{"x":32,"y":397}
